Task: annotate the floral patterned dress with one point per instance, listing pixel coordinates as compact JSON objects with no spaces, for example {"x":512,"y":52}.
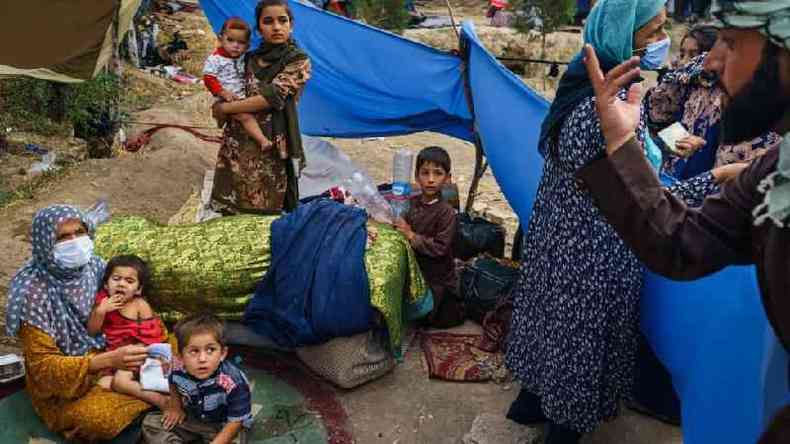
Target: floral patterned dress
{"x":685,"y":95}
{"x":247,"y":178}
{"x":573,"y":336}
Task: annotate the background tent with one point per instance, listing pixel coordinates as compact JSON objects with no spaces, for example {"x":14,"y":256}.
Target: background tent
{"x":712,"y":334}
{"x":60,"y":40}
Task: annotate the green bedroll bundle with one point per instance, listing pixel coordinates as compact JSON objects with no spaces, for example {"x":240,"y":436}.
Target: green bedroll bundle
{"x":215,"y":266}
{"x":212,"y":266}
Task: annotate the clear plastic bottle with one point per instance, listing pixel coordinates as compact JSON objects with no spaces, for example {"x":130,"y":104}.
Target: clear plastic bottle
{"x":401,"y":182}
{"x":368,"y":197}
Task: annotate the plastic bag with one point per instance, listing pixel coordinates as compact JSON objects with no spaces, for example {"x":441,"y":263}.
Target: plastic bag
{"x":99,"y":212}
{"x":483,"y":283}
{"x":476,"y":236}
{"x":327,"y":167}
{"x":47,"y":163}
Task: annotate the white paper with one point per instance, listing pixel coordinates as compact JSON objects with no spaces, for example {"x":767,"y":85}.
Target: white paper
{"x":672,"y":134}
{"x":155,"y":370}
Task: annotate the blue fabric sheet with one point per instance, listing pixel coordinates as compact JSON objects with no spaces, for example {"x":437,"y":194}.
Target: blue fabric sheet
{"x":725,"y":361}
{"x":316,"y":288}
{"x":366,"y":82}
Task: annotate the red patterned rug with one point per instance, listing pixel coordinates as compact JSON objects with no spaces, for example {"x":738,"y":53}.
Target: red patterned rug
{"x":456,"y":357}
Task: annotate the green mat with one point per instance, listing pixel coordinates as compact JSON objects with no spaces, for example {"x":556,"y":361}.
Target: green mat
{"x":280,"y":412}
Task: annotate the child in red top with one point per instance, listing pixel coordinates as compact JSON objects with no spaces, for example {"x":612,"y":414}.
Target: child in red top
{"x":224,"y":71}
{"x":124,"y":316}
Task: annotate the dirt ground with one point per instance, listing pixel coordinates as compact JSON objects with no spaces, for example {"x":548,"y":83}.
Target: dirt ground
{"x":403,"y":406}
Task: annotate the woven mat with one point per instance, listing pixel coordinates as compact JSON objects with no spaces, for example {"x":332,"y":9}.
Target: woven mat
{"x":455,"y":357}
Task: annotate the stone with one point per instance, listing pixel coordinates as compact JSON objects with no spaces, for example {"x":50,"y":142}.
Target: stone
{"x":490,"y":428}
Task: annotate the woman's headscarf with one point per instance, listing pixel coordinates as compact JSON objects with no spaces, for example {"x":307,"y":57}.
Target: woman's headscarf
{"x":610,"y":30}
{"x":771,"y":18}
{"x":51,"y":298}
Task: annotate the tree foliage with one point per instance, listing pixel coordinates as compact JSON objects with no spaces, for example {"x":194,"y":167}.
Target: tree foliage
{"x":385,"y":14}
{"x":545,"y":16}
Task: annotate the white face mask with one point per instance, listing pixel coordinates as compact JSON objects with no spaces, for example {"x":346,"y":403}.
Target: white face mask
{"x":74,"y":253}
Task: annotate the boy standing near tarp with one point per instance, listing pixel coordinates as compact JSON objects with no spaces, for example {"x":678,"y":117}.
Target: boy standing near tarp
{"x":430,"y":228}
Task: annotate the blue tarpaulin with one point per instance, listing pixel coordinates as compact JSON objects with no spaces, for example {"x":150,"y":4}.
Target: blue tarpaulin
{"x":712,"y":334}
{"x":367,"y":82}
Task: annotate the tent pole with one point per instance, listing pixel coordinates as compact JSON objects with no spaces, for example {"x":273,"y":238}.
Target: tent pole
{"x":480,"y":164}
{"x":116,"y":44}
{"x":452,"y":19}
{"x":480,"y":169}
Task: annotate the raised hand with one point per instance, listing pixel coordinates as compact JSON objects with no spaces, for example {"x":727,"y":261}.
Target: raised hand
{"x":619,"y":118}
{"x":110,"y":304}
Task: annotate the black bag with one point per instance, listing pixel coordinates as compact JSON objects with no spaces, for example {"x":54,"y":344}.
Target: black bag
{"x":476,"y":236}
{"x":483,"y":283}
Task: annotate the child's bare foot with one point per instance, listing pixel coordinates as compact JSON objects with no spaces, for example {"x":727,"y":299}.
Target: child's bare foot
{"x":105,"y":382}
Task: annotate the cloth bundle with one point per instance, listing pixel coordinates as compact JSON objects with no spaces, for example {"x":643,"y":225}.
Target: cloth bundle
{"x":216,"y":265}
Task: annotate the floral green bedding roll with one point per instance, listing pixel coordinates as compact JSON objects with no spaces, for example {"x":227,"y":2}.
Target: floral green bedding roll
{"x":212,"y":266}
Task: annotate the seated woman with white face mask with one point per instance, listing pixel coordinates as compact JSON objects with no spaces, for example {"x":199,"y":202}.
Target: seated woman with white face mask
{"x":49,"y":303}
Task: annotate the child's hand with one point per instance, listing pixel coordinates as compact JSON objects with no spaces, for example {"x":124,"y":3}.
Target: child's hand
{"x":112,"y":303}
{"x":228,"y":96}
{"x":403,"y":226}
{"x":172,"y":416}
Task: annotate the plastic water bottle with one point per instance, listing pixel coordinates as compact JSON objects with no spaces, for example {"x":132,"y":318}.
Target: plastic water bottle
{"x":401,"y":182}
{"x":368,"y":197}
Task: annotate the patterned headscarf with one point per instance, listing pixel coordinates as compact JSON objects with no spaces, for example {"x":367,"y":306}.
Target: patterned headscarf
{"x":51,"y":298}
{"x":610,"y":30}
{"x":772,"y":19}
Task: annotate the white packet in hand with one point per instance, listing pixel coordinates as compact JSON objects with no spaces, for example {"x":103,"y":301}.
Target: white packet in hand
{"x":155,"y":371}
{"x":672,"y":134}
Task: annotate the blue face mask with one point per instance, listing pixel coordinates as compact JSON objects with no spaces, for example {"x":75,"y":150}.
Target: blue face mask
{"x":75,"y":253}
{"x":655,"y":54}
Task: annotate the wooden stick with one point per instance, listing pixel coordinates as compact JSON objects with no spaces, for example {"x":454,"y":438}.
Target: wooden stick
{"x":452,"y":20}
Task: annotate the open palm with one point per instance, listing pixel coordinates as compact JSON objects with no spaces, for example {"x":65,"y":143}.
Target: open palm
{"x":619,"y":118}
